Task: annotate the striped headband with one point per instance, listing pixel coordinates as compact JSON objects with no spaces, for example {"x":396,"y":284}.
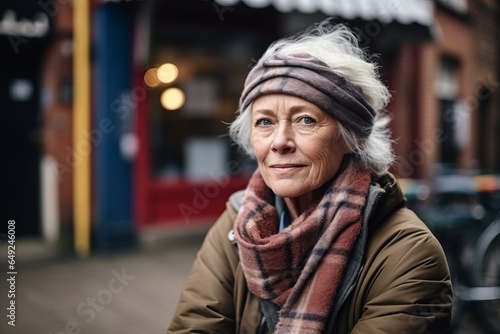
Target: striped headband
{"x":309,"y":78}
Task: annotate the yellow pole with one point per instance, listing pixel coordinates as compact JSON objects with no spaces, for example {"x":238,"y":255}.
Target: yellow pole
{"x":81,"y":125}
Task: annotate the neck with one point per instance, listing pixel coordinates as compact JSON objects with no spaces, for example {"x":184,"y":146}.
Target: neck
{"x":297,"y":205}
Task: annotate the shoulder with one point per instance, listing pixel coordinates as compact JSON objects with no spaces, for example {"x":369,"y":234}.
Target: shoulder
{"x":403,"y":250}
{"x":403,"y":224}
{"x":403,"y":232}
{"x":405,"y":280}
{"x":393,"y":226}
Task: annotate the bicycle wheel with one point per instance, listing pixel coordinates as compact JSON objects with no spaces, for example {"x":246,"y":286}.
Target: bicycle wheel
{"x":487,"y":274}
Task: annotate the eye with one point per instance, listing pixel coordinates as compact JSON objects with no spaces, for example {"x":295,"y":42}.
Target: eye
{"x":307,"y":120}
{"x":263,"y":122}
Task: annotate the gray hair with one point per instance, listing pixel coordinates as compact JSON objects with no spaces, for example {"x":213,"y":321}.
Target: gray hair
{"x":336,"y":46}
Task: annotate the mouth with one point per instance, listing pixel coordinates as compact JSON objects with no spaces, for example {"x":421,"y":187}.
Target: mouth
{"x":284,"y":168}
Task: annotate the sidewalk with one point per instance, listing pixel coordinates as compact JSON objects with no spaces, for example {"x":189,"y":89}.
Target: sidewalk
{"x":126,"y":293}
{"x":134,"y":292}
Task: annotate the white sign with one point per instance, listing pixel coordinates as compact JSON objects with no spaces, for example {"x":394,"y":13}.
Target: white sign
{"x":11,"y":26}
{"x":205,"y":157}
{"x":201,"y":98}
{"x":21,"y":90}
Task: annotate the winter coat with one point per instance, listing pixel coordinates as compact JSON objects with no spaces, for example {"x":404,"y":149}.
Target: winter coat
{"x":397,"y":280}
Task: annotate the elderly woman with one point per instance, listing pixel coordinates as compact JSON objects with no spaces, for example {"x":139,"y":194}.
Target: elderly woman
{"x":320,"y":241}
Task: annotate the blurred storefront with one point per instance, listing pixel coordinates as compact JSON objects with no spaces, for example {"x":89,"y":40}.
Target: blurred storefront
{"x":166,"y":77}
{"x":165,"y":83}
{"x":171,"y":96}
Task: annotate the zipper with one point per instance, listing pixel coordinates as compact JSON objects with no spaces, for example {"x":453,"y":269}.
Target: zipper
{"x":262,"y":326}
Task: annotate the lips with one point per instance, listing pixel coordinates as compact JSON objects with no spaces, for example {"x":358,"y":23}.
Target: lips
{"x":286,"y":168}
{"x":286,"y":165}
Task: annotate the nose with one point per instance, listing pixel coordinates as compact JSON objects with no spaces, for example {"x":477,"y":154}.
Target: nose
{"x":283,"y":141}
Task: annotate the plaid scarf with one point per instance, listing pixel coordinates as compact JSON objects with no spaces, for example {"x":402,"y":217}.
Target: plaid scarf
{"x":301,"y":267}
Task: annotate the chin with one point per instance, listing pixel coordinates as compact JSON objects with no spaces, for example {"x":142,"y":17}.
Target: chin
{"x":288,"y":192}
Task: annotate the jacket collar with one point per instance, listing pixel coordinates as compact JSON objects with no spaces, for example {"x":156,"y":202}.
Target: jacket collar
{"x":390,"y":198}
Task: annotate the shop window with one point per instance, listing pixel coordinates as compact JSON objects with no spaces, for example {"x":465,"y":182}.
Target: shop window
{"x":451,"y":111}
{"x":483,"y":143}
{"x":190,"y":110}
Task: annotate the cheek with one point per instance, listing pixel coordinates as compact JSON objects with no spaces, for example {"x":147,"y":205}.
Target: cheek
{"x":327,"y":160}
{"x":258,"y":148}
{"x":324,"y":156}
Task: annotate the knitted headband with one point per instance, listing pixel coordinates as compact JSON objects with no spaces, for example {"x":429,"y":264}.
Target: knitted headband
{"x":309,"y":78}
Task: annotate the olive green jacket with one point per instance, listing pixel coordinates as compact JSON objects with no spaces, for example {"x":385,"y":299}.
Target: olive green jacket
{"x":397,"y":280}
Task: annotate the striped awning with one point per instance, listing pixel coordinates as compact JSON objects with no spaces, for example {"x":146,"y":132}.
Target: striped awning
{"x":404,"y":12}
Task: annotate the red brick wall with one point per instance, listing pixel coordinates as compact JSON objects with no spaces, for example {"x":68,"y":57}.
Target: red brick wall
{"x":57,"y":116}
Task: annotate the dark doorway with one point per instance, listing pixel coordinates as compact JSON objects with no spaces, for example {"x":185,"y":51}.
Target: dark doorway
{"x":22,"y":56}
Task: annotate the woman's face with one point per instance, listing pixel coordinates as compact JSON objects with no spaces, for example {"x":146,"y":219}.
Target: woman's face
{"x":296,"y":144}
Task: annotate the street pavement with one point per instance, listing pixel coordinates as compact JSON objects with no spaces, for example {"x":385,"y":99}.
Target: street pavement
{"x":134,"y":292}
{"x":131,"y":292}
